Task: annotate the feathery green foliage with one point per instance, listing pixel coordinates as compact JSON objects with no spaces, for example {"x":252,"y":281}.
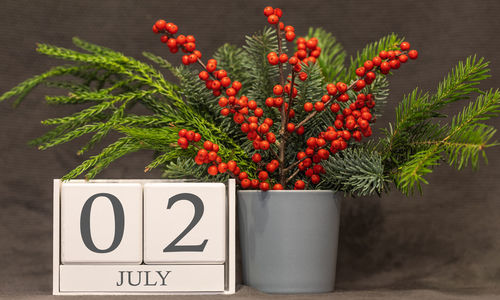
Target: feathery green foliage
{"x":107,"y":85}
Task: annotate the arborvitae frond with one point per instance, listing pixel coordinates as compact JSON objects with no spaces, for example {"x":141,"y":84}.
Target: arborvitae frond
{"x":98,"y":162}
{"x":332,"y":55}
{"x":160,"y":61}
{"x":71,"y":135}
{"x":22,"y":89}
{"x":356,"y":171}
{"x":67,"y":85}
{"x":389,"y":42}
{"x":96,"y":49}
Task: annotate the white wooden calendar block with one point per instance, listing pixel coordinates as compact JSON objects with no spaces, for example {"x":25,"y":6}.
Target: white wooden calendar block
{"x":142,"y":278}
{"x":184,"y":223}
{"x":101,"y":223}
{"x":189,"y":231}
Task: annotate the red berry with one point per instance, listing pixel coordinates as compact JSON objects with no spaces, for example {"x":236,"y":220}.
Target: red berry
{"x":255,"y":183}
{"x":290,"y":36}
{"x":370,"y":76}
{"x":300,"y":130}
{"x":268,"y":11}
{"x":208,"y":145}
{"x":311,"y":142}
{"x":368,"y":65}
{"x":303,"y":76}
{"x":212,"y":170}
{"x":341,"y":87}
{"x":312,"y":43}
{"x":277,"y":186}
{"x":203,"y":75}
{"x":222,"y":167}
{"x":403,"y":58}
{"x":413,"y":54}
{"x":182,"y":132}
{"x":190,"y":135}
{"x":264,"y":186}
{"x":181,"y":39}
{"x":264,"y":145}
{"x":283,"y":58}
{"x":395,"y":64}
{"x":223,"y":101}
{"x":290,"y":127}
{"x":335,"y":107}
{"x":273,"y":19}
{"x":278,"y":90}
{"x":315,"y":179}
{"x":263,"y":175}
{"x":331,"y":89}
{"x":155,"y":29}
{"x":360,"y":71}
{"x":183,"y":142}
{"x":319,"y":106}
{"x":190,"y":39}
{"x":343,"y":98}
{"x":278,"y":12}
{"x":270,"y":167}
{"x":293,"y":60}
{"x":211,"y":67}
{"x":385,"y":67}
{"x":360,"y":84}
{"x":197,"y":137}
{"x":300,"y":185}
{"x":160,"y":24}
{"x":236,"y":85}
{"x":383,"y":54}
{"x":172,"y":29}
{"x":404,"y":46}
{"x":273,"y":59}
{"x":185,"y":60}
{"x":377,"y":61}
{"x":245,"y":183}
{"x":230,"y":92}
{"x":243,"y":175}
{"x":308,"y":106}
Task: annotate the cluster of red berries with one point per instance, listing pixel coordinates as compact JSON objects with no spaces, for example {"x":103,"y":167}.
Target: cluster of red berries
{"x":185,"y":43}
{"x":351,"y":123}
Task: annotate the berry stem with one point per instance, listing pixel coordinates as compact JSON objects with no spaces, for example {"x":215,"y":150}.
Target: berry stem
{"x":282,"y":132}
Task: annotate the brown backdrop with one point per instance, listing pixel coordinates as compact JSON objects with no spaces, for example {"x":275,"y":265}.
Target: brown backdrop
{"x":447,"y":239}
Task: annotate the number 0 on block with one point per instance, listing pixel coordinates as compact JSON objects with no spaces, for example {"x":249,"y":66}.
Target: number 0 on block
{"x":143,"y":237}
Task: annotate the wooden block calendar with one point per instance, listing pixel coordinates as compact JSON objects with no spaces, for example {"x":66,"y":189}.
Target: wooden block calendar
{"x":143,"y":237}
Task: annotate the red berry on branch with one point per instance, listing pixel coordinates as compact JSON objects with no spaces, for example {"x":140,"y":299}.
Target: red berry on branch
{"x":377,"y":61}
{"x":190,"y":135}
{"x":413,"y":54}
{"x":403,"y":58}
{"x":290,"y":36}
{"x":308,"y":106}
{"x":222,"y":168}
{"x":360,"y":71}
{"x":181,"y":39}
{"x":391,"y":54}
{"x":289,"y":28}
{"x":185,"y":60}
{"x":225,"y":111}
{"x":283,"y":58}
{"x":303,"y":76}
{"x":243,"y":175}
{"x":395,"y":64}
{"x":315,"y":179}
{"x":264,"y":145}
{"x":269,"y":102}
{"x":343,"y":98}
{"x":277,"y":186}
{"x":212,"y":170}
{"x":300,"y":185}
{"x":278,"y":102}
{"x":293,"y":60}
{"x":312,"y":43}
{"x":155,"y":29}
{"x":278,"y":90}
{"x":223,"y":101}
{"x":164,"y":39}
{"x":255,"y":183}
{"x":360,"y":84}
{"x":385,"y":67}
{"x":341,"y":87}
{"x":160,"y":24}
{"x":190,"y":39}
{"x":268,"y":10}
{"x":256,"y":157}
{"x":245,"y":183}
{"x":368,"y":65}
{"x":319,"y":106}
{"x":300,"y":130}
{"x":172,"y":28}
{"x":182,"y":133}
{"x":370,"y":76}
{"x":290,"y":127}
{"x":263,"y":175}
{"x":230,"y":92}
{"x":383,"y":54}
{"x":183,"y":142}
{"x":331,"y":89}
{"x":264,"y":186}
{"x":404,"y":46}
{"x":273,"y":19}
{"x":311,"y":142}
{"x":271,"y":138}
{"x":270,"y":167}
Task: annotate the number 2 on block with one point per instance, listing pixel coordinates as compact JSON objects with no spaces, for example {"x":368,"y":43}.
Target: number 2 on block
{"x":184,"y":223}
{"x":198,"y":213}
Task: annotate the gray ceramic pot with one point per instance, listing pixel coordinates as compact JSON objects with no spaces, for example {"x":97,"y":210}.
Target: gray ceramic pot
{"x":289,"y":240}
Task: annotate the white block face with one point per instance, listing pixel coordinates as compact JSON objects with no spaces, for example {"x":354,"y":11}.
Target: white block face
{"x":184,"y":223}
{"x":101,"y":223}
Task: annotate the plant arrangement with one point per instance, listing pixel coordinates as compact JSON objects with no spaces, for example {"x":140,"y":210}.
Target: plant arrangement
{"x":270,"y":117}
